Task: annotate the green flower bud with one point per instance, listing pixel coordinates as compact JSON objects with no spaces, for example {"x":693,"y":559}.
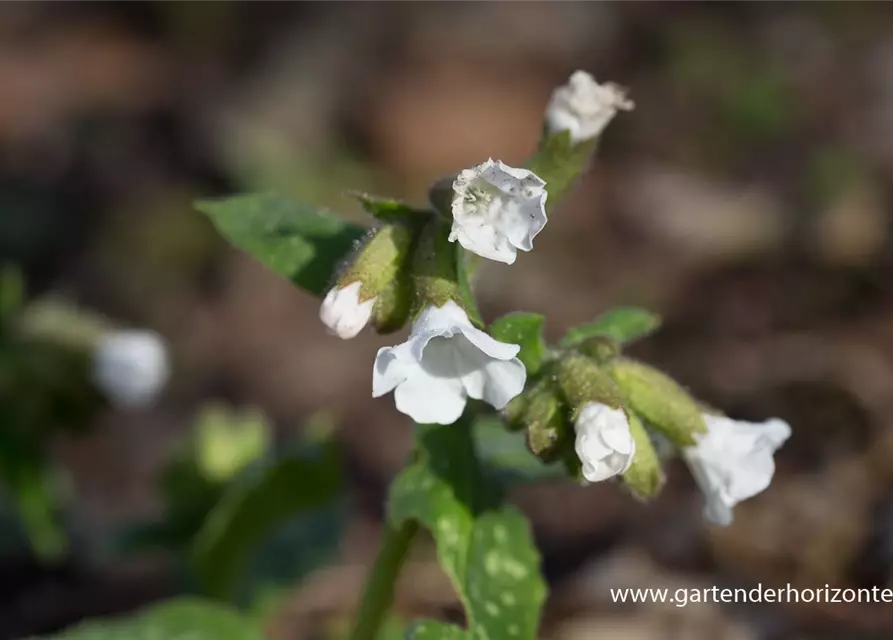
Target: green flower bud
{"x":660,"y":400}
{"x":644,"y":477}
{"x":513,"y":413}
{"x":544,"y":419}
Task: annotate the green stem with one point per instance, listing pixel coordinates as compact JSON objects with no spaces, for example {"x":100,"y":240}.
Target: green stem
{"x":378,"y":593}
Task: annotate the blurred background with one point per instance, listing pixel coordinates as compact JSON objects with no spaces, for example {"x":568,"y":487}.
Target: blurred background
{"x":747,"y":199}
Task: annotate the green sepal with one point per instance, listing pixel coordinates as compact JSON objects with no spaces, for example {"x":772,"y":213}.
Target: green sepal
{"x":644,"y":477}
{"x":660,"y":400}
{"x":582,"y":381}
{"x":513,"y":412}
{"x":559,"y":162}
{"x":544,"y":419}
{"x":381,"y":266}
{"x":439,"y":274}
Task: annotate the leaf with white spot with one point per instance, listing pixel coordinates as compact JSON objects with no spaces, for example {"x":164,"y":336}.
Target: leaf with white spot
{"x":486,"y":550}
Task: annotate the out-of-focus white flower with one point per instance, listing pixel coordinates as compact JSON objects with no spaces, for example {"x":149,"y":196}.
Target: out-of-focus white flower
{"x":444,"y":362}
{"x":584,"y":107}
{"x":497,"y":209}
{"x":131,"y":367}
{"x":733,"y":462}
{"x":343,"y":313}
{"x":604,"y":443}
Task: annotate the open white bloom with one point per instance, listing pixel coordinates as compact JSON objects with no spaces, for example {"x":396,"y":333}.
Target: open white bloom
{"x":584,"y":107}
{"x":343,"y":313}
{"x":733,"y":462}
{"x":497,"y":209}
{"x":444,"y":362}
{"x":604,"y":443}
{"x":131,"y":367}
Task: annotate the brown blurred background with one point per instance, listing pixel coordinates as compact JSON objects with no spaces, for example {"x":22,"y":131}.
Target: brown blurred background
{"x":747,"y":199}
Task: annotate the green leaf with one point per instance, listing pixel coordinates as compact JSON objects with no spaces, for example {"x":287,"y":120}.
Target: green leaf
{"x":252,"y":509}
{"x":431,"y":630}
{"x":388,"y":209}
{"x":12,"y":291}
{"x":31,"y":488}
{"x":526,"y":330}
{"x":180,"y":619}
{"x":294,"y":240}
{"x":624,"y":324}
{"x":486,"y":551}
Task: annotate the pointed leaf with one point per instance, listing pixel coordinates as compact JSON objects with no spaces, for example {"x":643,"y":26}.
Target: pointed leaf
{"x":525,"y":330}
{"x":486,"y":551}
{"x":624,"y":324}
{"x":388,"y":209}
{"x":296,"y":241}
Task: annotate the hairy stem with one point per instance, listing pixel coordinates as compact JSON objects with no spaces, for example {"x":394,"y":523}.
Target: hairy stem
{"x":378,"y":593}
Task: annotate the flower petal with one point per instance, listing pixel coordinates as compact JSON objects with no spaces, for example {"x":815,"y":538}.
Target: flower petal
{"x":616,"y":433}
{"x":490,"y":345}
{"x":441,"y":321}
{"x":504,"y":380}
{"x":390,"y":369}
{"x":430,"y":400}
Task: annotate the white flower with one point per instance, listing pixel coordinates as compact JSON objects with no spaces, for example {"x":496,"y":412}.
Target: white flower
{"x":733,"y":462}
{"x":604,"y":443}
{"x":343,"y":313}
{"x":584,"y":107}
{"x":131,"y":367}
{"x":497,"y":209}
{"x":445,"y":361}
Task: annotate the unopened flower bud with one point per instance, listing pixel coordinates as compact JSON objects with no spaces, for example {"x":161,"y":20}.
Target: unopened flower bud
{"x":604,"y":443}
{"x":543,"y":419}
{"x":373,"y":287}
{"x":343,"y":312}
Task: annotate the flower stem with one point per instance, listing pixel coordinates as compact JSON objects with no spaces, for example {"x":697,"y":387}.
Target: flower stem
{"x":378,"y":593}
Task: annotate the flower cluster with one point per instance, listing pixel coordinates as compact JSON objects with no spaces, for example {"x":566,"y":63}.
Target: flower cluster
{"x":588,"y":400}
